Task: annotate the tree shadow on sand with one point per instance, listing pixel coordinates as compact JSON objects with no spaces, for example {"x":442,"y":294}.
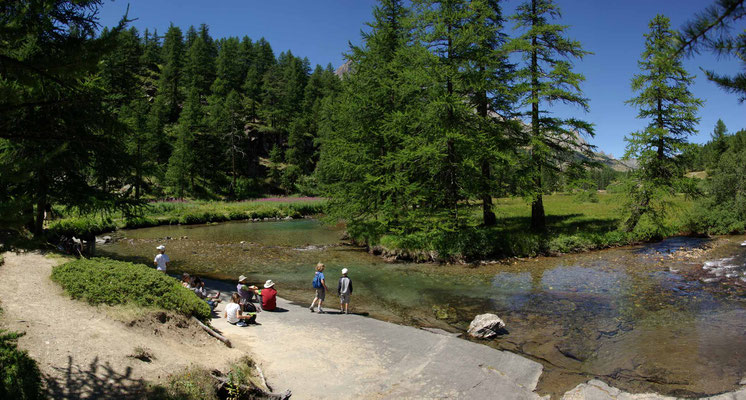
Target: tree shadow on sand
{"x":94,"y":381}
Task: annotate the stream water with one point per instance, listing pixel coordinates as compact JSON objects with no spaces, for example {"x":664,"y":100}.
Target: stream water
{"x":640,"y":318}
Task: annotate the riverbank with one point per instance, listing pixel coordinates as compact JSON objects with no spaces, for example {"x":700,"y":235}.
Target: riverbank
{"x":574,"y":225}
{"x":189,"y":213}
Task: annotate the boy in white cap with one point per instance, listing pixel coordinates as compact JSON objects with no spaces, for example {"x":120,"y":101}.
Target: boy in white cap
{"x":344,"y":289}
{"x":161,"y":260}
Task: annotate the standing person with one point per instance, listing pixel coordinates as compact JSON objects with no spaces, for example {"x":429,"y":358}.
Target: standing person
{"x":244,"y":291}
{"x":319,"y":283}
{"x":161,"y":260}
{"x":344,"y":289}
{"x":233,"y":313}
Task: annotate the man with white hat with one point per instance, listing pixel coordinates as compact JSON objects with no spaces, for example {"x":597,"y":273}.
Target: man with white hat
{"x":269,"y":296}
{"x":161,"y":260}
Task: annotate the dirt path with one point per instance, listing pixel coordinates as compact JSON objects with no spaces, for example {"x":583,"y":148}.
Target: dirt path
{"x":81,"y":350}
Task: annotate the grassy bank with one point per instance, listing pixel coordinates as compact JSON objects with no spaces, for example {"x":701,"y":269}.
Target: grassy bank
{"x":187,"y":213}
{"x":573,"y":226}
{"x":104,"y":281}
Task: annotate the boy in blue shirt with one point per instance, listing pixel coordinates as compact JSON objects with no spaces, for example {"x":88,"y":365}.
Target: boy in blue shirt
{"x":319,"y":283}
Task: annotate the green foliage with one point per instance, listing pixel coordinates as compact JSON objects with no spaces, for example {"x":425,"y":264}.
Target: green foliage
{"x":546,"y":77}
{"x":20,"y":377}
{"x":81,"y":227}
{"x":663,"y":97}
{"x":723,"y":211}
{"x":104,"y":281}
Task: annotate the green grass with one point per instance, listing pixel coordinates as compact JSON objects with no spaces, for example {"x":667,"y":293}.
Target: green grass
{"x":572,"y":226}
{"x":187,"y":213}
{"x":105,"y":281}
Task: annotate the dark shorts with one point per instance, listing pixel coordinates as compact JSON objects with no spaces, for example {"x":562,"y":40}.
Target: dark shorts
{"x":320,"y":294}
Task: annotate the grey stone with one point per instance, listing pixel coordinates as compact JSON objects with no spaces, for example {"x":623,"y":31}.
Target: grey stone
{"x":486,"y":326}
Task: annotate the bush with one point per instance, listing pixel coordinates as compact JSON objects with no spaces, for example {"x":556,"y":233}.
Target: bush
{"x":104,"y":281}
{"x":19,"y":375}
{"x":81,"y":227}
{"x":141,"y":222}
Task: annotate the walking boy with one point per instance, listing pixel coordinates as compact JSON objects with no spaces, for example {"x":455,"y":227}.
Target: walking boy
{"x":319,"y":283}
{"x":344,"y":289}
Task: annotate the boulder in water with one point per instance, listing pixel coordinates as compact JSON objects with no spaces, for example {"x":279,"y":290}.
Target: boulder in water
{"x":486,"y":326}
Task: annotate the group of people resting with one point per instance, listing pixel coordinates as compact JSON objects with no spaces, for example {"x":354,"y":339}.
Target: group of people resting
{"x":241,"y":311}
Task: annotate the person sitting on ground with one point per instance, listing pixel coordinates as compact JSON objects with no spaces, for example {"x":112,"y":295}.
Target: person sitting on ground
{"x":161,"y":260}
{"x":186,"y":280}
{"x":268,"y":294}
{"x":344,"y":289}
{"x":319,"y":283}
{"x":234,"y":315}
{"x":198,"y":287}
{"x":244,"y":291}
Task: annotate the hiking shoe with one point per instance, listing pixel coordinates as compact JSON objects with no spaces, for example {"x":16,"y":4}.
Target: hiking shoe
{"x":310,"y":308}
{"x":241,"y":324}
{"x":321,"y":312}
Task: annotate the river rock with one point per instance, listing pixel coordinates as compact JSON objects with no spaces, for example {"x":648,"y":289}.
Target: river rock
{"x":486,"y":326}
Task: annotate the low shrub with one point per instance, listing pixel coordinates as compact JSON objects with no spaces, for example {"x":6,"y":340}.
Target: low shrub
{"x":201,"y":384}
{"x":141,"y":222}
{"x":81,"y":227}
{"x":105,"y":281}
{"x":20,"y":377}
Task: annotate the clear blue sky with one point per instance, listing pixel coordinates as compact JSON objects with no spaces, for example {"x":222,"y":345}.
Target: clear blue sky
{"x":322,"y":29}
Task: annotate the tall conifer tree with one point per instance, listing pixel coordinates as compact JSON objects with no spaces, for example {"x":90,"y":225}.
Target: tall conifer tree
{"x":663,"y":97}
{"x":546,"y":77}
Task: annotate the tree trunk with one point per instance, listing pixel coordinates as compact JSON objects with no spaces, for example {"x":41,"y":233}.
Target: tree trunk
{"x":488,"y":216}
{"x":41,"y":203}
{"x":538,"y":220}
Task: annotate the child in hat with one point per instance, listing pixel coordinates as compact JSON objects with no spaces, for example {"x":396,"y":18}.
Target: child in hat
{"x":344,"y":289}
{"x":161,"y":260}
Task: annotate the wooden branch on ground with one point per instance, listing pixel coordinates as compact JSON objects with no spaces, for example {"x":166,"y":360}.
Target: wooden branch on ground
{"x":223,"y":384}
{"x":213,"y":333}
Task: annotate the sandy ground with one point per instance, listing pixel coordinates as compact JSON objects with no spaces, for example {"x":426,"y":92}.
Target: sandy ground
{"x":84,"y":352}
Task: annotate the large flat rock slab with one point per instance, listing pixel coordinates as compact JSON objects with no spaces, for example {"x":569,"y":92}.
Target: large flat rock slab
{"x":598,"y":390}
{"x":337,"y":356}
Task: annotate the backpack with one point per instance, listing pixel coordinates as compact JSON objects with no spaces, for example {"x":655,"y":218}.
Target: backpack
{"x":317,"y":281}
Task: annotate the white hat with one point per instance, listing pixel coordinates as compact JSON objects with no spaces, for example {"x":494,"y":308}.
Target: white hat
{"x":344,"y":271}
{"x":241,"y":278}
{"x":161,"y":247}
{"x":268,"y":284}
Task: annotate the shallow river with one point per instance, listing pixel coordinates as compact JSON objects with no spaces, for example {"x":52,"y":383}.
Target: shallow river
{"x":635,"y":317}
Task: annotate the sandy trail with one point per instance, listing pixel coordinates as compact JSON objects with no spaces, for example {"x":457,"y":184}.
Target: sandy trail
{"x":81,"y":350}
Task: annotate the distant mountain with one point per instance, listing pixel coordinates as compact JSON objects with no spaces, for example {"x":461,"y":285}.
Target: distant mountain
{"x":343,"y":69}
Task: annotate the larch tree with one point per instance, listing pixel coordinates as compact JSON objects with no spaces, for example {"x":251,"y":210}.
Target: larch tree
{"x":545,"y":78}
{"x":663,"y":98}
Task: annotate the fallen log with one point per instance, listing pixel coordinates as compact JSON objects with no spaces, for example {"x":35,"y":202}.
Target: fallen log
{"x":213,"y":333}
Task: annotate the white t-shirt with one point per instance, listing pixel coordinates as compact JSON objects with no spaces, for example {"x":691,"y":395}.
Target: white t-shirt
{"x":160,"y":261}
{"x":232,"y":311}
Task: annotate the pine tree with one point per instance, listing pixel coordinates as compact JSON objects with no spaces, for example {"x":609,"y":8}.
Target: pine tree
{"x":229,"y":71}
{"x":362,"y":132}
{"x":169,"y":85}
{"x":663,"y":97}
{"x":183,"y":163}
{"x":199,"y":68}
{"x":546,"y":77}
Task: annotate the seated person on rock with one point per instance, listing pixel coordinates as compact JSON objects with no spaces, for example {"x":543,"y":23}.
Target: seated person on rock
{"x":268,"y":294}
{"x":234,"y":314}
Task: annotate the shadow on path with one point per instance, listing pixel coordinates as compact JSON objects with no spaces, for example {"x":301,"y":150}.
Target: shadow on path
{"x":94,"y":381}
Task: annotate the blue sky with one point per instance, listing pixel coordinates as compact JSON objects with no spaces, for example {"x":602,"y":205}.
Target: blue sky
{"x":322,"y":30}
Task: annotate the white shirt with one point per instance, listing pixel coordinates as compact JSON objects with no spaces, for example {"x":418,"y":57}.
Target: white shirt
{"x":232,"y":311}
{"x":161,"y":260}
